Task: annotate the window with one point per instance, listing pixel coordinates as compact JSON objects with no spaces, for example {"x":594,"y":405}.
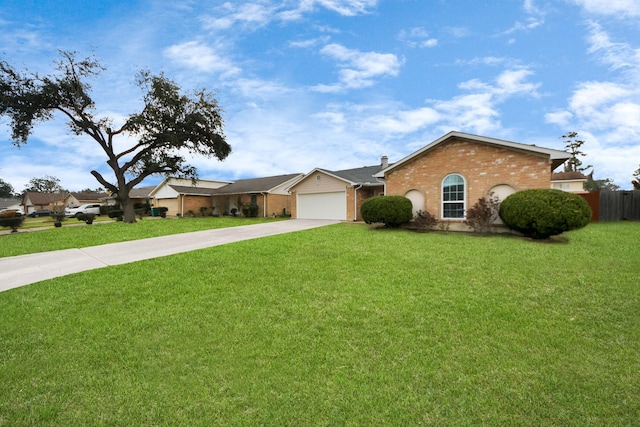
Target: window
{"x":453,"y":197}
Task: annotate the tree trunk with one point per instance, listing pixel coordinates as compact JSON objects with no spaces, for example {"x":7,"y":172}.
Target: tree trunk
{"x":128,"y":211}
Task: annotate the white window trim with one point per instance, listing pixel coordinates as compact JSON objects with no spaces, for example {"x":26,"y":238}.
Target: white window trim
{"x":464,"y":199}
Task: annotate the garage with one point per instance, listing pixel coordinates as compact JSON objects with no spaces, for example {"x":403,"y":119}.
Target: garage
{"x":331,"y":205}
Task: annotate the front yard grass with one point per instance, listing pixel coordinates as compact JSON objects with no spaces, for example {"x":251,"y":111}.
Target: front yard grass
{"x":77,"y":234}
{"x":341,"y":325}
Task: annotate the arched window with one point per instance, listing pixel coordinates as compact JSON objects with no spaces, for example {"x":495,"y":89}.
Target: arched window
{"x":453,"y":197}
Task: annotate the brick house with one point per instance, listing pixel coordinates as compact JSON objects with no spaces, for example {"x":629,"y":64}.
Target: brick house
{"x":183,"y":197}
{"x":81,"y":198}
{"x":338,"y":194}
{"x":268,"y":193}
{"x":32,"y":201}
{"x":180,"y":195}
{"x":450,"y":174}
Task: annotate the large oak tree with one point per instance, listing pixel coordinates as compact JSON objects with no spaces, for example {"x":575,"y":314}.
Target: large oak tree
{"x":170,"y":125}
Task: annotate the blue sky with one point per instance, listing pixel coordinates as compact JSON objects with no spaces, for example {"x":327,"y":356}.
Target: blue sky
{"x":339,"y":83}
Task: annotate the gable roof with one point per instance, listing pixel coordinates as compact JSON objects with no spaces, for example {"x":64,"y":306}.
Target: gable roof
{"x":568,"y":176}
{"x":557,"y":157}
{"x":141,"y":192}
{"x":365,"y":176}
{"x":38,"y":199}
{"x":88,"y":196}
{"x":256,"y":185}
{"x":198,"y":187}
{"x":8,"y":202}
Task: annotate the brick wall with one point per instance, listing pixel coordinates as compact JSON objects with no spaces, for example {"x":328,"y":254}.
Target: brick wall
{"x":275,"y":204}
{"x":363,"y":193}
{"x":193,"y":203}
{"x":483,"y":166}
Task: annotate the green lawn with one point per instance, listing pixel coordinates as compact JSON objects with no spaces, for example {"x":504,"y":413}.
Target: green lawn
{"x":77,"y":234}
{"x":341,"y":325}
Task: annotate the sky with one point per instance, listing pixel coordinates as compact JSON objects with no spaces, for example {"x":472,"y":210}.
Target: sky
{"x":337,"y":84}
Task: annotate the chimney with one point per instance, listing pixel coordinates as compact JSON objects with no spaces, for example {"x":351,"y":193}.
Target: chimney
{"x":384,"y":162}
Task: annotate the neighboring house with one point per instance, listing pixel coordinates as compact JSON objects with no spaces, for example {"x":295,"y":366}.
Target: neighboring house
{"x":269,"y":194}
{"x":32,"y":201}
{"x":572,"y":182}
{"x":77,"y":199}
{"x":337,"y":195}
{"x":183,"y":195}
{"x":141,"y":195}
{"x":10,"y":203}
{"x":451,"y":174}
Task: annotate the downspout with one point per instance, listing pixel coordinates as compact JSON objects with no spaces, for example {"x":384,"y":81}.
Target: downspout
{"x":355,"y":202}
{"x":182,"y":205}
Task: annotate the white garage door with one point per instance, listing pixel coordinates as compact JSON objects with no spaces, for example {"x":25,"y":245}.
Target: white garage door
{"x":323,"y":206}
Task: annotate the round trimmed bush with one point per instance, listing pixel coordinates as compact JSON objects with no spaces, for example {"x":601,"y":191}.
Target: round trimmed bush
{"x":544,"y":212}
{"x":392,"y":211}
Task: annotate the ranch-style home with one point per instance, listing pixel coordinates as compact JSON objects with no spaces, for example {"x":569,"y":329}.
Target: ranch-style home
{"x":80,"y":198}
{"x":445,"y":178}
{"x":269,"y":194}
{"x":449,"y":175}
{"x":336,"y":194}
{"x":180,"y":195}
{"x":32,"y":201}
{"x":184,"y":196}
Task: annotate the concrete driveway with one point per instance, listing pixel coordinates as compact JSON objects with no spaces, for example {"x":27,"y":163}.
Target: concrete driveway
{"x":26,"y":269}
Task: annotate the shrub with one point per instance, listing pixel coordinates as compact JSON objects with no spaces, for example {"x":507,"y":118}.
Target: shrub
{"x":392,"y":211}
{"x":483,"y":214}
{"x":544,"y":212}
{"x":58,"y":217}
{"x":11,"y":219}
{"x":142,"y":207}
{"x":86,"y":217}
{"x":117,"y":214}
{"x":425,"y":220}
{"x":162,"y":211}
{"x":203,"y":210}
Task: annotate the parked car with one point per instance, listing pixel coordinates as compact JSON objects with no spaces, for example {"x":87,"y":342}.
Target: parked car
{"x":17,"y":211}
{"x":40,"y":212}
{"x":93,"y":208}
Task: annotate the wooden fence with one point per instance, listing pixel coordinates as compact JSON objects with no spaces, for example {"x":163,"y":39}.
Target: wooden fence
{"x":619,"y":206}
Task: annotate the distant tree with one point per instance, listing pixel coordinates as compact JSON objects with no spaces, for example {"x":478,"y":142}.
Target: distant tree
{"x":48,"y":184}
{"x":88,"y":190}
{"x":6,"y":190}
{"x":572,"y":145}
{"x":170,"y":125}
{"x":636,"y":181}
{"x":600,"y":184}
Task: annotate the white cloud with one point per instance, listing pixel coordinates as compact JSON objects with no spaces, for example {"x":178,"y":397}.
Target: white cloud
{"x":508,"y":83}
{"x":616,"y":8}
{"x":342,"y":7}
{"x":310,"y":42}
{"x":417,"y":37}
{"x":606,"y":113}
{"x":250,"y":15}
{"x":359,"y":69}
{"x":535,"y":18}
{"x":198,"y":56}
{"x":403,"y":122}
{"x":614,"y":54}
